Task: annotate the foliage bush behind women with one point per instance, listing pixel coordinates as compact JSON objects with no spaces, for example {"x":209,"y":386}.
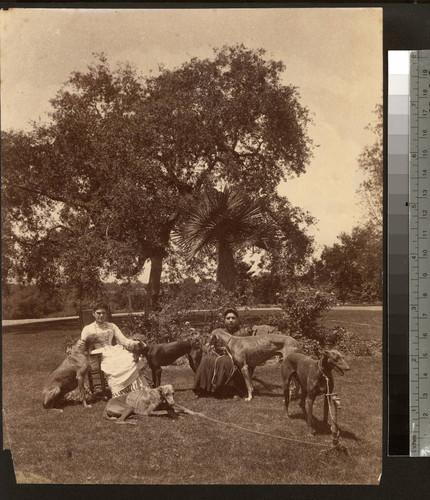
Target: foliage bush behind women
{"x":303,"y":310}
{"x":194,"y":310}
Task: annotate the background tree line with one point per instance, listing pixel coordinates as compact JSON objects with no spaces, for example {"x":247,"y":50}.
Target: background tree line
{"x":352,"y":268}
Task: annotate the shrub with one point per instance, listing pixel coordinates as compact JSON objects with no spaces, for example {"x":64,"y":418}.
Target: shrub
{"x":159,"y":327}
{"x":301,"y":318}
{"x":172,"y":322}
{"x":350,"y":343}
{"x":302,"y":311}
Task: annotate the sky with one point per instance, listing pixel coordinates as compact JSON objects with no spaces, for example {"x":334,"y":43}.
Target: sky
{"x":333,"y":56}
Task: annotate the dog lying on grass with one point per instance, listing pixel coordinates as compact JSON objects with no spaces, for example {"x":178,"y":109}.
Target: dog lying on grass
{"x":69,"y":375}
{"x":140,"y":403}
{"x":315,"y":377}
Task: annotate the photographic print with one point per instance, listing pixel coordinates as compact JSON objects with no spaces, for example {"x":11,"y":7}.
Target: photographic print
{"x":192,"y":245}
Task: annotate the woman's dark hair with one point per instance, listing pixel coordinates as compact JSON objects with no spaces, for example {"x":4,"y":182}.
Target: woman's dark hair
{"x":100,"y":305}
{"x":231,"y":310}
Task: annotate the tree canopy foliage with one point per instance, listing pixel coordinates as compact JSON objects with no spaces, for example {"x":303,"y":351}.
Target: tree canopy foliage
{"x":370,"y":162}
{"x":99,"y":189}
{"x":353,"y":267}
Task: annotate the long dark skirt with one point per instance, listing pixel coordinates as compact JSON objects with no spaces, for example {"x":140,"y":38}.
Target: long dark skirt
{"x":218,"y":376}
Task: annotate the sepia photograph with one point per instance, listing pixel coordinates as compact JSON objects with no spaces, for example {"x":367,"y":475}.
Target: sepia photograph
{"x":192,"y":245}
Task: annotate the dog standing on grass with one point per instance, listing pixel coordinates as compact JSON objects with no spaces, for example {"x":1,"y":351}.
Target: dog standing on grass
{"x":69,"y":375}
{"x":315,"y":377}
{"x":251,"y":351}
{"x":159,"y":355}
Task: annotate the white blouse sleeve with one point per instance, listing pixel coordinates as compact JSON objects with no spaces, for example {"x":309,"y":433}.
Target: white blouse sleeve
{"x":121,"y":338}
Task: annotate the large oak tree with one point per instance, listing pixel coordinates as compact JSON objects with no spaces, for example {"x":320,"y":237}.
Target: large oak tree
{"x":100,"y":187}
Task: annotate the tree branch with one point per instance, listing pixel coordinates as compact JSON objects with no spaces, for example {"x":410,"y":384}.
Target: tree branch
{"x":46,"y":238}
{"x":63,"y":199}
{"x":203,"y":175}
{"x":250,"y":154}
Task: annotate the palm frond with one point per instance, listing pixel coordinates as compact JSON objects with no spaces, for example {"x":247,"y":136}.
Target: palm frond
{"x":227,"y":216}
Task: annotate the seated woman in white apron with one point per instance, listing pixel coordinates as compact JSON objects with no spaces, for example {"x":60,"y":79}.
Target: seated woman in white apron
{"x":123,"y":375}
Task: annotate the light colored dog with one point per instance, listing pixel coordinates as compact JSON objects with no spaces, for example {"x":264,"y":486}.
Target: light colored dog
{"x":252,"y":351}
{"x":69,"y":375}
{"x":140,"y":403}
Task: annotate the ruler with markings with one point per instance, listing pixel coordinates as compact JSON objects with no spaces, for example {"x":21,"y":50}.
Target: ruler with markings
{"x":419,"y":259}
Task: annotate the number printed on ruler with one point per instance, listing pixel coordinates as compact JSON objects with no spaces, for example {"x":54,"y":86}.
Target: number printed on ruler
{"x":419,"y":209}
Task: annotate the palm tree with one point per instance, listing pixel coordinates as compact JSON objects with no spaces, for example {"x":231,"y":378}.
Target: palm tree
{"x":228,"y":221}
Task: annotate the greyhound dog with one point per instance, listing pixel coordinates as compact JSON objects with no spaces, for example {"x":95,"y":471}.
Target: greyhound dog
{"x":159,"y":355}
{"x":69,"y":375}
{"x":140,"y":403}
{"x":315,"y":378}
{"x":252,"y":351}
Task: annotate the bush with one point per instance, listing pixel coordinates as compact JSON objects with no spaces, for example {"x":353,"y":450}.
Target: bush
{"x":301,"y":318}
{"x":303,"y":309}
{"x":350,"y":343}
{"x":159,"y":327}
{"x":173,"y":320}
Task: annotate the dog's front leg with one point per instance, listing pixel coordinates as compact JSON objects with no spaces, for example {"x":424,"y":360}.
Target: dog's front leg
{"x":334,"y":427}
{"x":309,"y":416}
{"x":248,"y":381}
{"x":158,"y":376}
{"x":326,"y":403}
{"x":150,"y":408}
{"x":81,"y":378}
{"x":287,"y":394}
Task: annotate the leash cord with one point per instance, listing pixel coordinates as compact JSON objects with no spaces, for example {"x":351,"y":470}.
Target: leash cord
{"x":186,"y":410}
{"x":329,"y":397}
{"x":215,"y":372}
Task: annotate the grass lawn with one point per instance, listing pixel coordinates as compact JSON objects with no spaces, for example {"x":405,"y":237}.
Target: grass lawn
{"x":79,"y":446}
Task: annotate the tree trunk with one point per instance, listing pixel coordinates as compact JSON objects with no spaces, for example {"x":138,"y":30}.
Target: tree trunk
{"x":226,"y":271}
{"x":153,"y":292}
{"x":129,"y":295}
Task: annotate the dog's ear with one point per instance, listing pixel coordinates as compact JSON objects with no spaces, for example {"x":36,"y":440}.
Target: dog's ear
{"x":140,"y":348}
{"x":143,"y":347}
{"x":166,"y":391}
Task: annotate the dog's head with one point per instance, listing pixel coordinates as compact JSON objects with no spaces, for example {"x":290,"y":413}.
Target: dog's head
{"x":166,"y":394}
{"x":217,"y":343}
{"x":333,"y":359}
{"x":195,"y":355}
{"x":138,"y":350}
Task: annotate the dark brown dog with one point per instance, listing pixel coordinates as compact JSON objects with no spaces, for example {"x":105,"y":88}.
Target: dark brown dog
{"x":140,"y":403}
{"x":159,"y":355}
{"x":69,"y":375}
{"x":315,"y":377}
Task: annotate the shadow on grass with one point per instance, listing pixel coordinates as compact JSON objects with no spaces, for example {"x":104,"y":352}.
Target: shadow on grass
{"x":322,"y":428}
{"x":268,"y":394}
{"x":65,"y":403}
{"x":267,"y":386}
